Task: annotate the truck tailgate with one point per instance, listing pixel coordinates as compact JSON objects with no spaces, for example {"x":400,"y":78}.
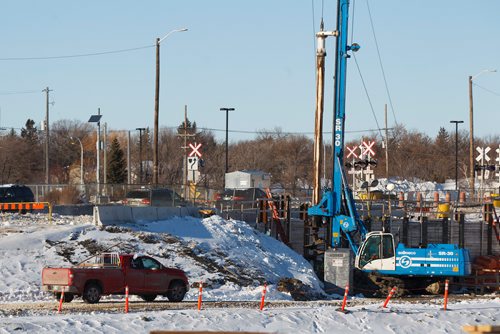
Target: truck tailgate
{"x":55,"y":276}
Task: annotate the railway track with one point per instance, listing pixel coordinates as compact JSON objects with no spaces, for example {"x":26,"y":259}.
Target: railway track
{"x":77,"y":306}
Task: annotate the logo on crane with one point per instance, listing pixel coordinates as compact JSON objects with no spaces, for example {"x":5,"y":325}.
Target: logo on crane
{"x":405,"y":261}
{"x":338,"y":131}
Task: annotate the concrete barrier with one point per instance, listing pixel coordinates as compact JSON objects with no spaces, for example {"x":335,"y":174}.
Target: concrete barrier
{"x":121,"y":214}
{"x":112,"y":214}
{"x":144,"y":213}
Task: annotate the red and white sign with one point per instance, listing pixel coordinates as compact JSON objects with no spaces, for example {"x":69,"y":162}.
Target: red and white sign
{"x":352,"y":152}
{"x":195,"y":150}
{"x":368,"y":148}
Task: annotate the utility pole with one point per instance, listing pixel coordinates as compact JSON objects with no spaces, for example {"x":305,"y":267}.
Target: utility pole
{"x":98,"y":167}
{"x":157,"y":106}
{"x":227,"y":110}
{"x":128,"y":158}
{"x":47,"y":135}
{"x":140,"y":153}
{"x":456,"y":153}
{"x":471,"y":140}
{"x":320,"y":102}
{"x":185,"y":134}
{"x":105,"y":153}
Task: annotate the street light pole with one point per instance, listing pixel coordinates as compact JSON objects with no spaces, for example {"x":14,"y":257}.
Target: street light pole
{"x":157,"y":105}
{"x":227,"y":110}
{"x":140,"y":153}
{"x":47,"y":135}
{"x":456,"y":153}
{"x":471,"y":138}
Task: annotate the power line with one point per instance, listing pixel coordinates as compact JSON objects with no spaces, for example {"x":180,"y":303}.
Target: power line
{"x":19,"y":92}
{"x":277,"y":132}
{"x":486,"y":89}
{"x":380,"y":62}
{"x":367,"y":95}
{"x":76,"y":55}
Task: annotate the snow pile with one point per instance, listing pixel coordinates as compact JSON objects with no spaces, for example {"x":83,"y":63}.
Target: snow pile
{"x":232,"y":259}
{"x":427,"y":188}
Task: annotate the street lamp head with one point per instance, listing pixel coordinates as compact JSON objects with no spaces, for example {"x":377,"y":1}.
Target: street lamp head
{"x":159,"y":40}
{"x":226,"y":109}
{"x":456,"y":122}
{"x":483,"y":71}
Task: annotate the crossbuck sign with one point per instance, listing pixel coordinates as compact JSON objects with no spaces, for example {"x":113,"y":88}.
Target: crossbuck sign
{"x":195,"y":150}
{"x":483,"y":154}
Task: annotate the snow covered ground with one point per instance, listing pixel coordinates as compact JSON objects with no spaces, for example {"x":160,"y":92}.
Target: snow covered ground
{"x":399,"y":318}
{"x":229,"y":256}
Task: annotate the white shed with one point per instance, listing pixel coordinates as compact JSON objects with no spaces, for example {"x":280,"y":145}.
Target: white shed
{"x":248,"y":179}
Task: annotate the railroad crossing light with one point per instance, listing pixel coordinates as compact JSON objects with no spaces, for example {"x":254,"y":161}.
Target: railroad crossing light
{"x":362,"y":164}
{"x":201,"y":163}
{"x":491,"y":168}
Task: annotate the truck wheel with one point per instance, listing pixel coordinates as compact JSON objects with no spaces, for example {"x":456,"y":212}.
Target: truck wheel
{"x":148,"y":298}
{"x":68,"y":297}
{"x":92,"y":293}
{"x":176,"y":292}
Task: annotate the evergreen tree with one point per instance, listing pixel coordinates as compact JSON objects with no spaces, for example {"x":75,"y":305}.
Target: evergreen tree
{"x":117,"y":167}
{"x":29,"y":133}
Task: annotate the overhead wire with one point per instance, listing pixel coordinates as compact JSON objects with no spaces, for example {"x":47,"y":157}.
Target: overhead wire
{"x":277,"y":132}
{"x":486,"y":89}
{"x":76,"y":55}
{"x":19,"y":92}
{"x":367,"y":95}
{"x":380,"y":62}
{"x":361,"y":75}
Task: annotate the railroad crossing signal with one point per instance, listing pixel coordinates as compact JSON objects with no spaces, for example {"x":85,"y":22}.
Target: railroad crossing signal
{"x":367,"y":149}
{"x":483,"y":159}
{"x":483,"y":154}
{"x":195,"y":150}
{"x":352,"y":152}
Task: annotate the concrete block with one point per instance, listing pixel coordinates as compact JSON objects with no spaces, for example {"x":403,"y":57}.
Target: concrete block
{"x":339,"y":264}
{"x":112,"y":214}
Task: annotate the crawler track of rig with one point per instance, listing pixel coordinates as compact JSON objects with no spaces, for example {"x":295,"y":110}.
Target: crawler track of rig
{"x":77,"y":306}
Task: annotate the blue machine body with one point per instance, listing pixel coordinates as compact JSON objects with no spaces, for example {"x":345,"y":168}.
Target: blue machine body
{"x":338,"y":206}
{"x":433,"y":260}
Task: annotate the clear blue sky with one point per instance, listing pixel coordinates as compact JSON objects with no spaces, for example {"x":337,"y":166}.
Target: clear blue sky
{"x":256,"y":56}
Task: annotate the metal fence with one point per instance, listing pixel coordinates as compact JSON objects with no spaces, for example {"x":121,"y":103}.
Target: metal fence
{"x":112,"y":193}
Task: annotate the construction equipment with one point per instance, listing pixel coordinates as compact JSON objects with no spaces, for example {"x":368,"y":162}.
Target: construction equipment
{"x":374,"y":251}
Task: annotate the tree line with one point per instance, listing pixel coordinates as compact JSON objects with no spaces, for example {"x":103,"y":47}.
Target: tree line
{"x":287,"y":157}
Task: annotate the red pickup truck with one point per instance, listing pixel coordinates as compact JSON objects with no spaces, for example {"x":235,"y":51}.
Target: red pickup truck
{"x":110,"y":273}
